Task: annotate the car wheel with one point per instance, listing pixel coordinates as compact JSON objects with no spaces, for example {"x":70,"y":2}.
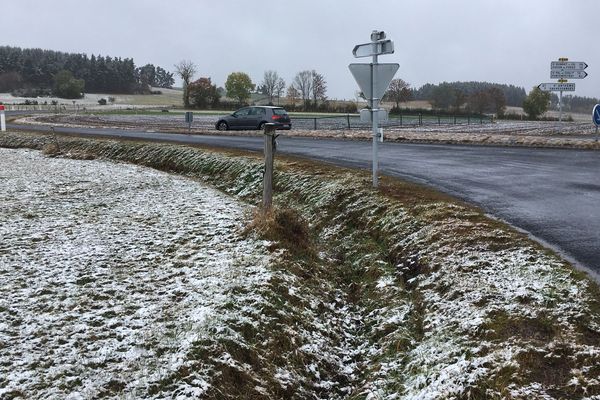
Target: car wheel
{"x":261,"y":126}
{"x":222,"y":126}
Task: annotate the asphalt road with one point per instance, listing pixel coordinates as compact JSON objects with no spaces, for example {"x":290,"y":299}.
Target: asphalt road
{"x":553,"y":194}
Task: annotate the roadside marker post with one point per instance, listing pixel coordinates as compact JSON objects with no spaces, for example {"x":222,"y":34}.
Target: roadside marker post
{"x":2,"y":119}
{"x":189,"y":118}
{"x":269,"y":149}
{"x":374,"y":79}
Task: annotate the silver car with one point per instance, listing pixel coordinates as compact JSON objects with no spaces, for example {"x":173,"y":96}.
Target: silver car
{"x":255,"y":118}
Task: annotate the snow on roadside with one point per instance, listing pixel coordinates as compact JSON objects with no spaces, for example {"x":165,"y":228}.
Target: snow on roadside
{"x":109,"y":273}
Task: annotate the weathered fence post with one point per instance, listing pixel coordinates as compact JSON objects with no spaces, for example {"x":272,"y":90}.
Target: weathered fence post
{"x":268,"y":176}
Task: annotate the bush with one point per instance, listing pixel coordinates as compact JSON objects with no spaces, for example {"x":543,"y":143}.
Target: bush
{"x":536,"y":103}
{"x":66,"y":86}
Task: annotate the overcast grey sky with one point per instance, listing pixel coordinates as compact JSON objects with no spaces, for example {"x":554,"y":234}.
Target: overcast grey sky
{"x":504,"y":41}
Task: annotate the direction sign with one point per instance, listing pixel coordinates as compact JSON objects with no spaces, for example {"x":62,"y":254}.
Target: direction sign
{"x":557,"y":87}
{"x":567,"y":74}
{"x":373,"y":48}
{"x":568,"y":65}
{"x":363,"y":74}
{"x":596,"y":115}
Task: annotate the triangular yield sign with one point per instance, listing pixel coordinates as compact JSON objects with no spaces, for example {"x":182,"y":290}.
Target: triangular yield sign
{"x":362,"y":75}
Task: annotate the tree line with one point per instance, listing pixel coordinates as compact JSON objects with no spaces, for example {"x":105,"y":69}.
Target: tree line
{"x":513,"y":95}
{"x":59,"y":73}
{"x":308,"y":86}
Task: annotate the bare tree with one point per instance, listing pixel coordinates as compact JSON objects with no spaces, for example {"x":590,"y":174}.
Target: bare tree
{"x":279,"y":88}
{"x":303,"y":84}
{"x":398,"y":92}
{"x":269,"y":84}
{"x":186,"y":70}
{"x":319,"y":87}
{"x":292,"y":94}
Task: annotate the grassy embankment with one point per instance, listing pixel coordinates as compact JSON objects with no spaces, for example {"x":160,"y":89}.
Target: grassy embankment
{"x":397,"y":291}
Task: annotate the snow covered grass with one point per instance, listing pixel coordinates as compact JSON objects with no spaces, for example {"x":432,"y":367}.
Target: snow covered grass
{"x":401,"y":293}
{"x":111,"y":275}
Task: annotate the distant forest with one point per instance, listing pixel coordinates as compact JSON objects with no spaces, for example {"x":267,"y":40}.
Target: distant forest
{"x":513,"y":95}
{"x":37,"y":69}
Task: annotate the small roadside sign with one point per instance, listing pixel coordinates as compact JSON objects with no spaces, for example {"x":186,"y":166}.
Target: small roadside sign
{"x":596,"y":115}
{"x":367,"y":116}
{"x":557,"y":87}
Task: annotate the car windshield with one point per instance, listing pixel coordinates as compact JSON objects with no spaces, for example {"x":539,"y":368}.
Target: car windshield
{"x":279,"y":111}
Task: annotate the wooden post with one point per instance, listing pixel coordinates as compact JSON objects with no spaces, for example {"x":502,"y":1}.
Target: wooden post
{"x":268,"y":176}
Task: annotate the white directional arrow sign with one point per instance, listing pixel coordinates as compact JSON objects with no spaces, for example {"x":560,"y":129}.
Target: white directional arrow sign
{"x":568,"y":65}
{"x":363,"y":73}
{"x":557,"y":87}
{"x":373,"y":48}
{"x":567,"y":74}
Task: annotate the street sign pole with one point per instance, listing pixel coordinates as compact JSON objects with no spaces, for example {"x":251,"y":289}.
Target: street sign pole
{"x":560,"y":107}
{"x":375,"y":116}
{"x":373,"y":80}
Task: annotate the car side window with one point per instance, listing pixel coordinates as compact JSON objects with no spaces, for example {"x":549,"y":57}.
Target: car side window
{"x":242,"y":113}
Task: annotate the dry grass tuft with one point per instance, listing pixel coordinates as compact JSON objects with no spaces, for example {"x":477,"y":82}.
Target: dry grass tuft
{"x":285,"y":227}
{"x":51,"y":149}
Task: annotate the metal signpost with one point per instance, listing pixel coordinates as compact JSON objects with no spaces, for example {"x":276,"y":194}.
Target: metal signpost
{"x":374,"y":79}
{"x":564,"y":69}
{"x":596,"y":118}
{"x":189,"y":118}
{"x":2,"y":119}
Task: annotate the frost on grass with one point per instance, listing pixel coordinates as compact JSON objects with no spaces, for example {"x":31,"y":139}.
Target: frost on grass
{"x":407,"y":295}
{"x":111,"y":275}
